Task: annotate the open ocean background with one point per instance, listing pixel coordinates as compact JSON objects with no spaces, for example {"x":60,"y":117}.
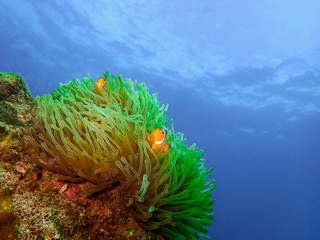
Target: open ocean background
{"x":242,"y":79}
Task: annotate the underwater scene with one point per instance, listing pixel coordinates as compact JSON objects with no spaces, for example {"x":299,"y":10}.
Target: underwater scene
{"x":160,"y":120}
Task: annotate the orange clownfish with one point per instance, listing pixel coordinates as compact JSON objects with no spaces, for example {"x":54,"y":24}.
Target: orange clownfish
{"x":100,"y":84}
{"x":158,"y":141}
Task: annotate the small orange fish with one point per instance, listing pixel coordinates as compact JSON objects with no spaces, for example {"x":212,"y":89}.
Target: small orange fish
{"x":158,"y":141}
{"x":100,"y":84}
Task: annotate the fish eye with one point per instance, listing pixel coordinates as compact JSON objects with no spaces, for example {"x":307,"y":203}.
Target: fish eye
{"x":164,"y":133}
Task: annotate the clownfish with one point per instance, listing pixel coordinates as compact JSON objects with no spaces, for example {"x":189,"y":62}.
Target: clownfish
{"x":99,"y":84}
{"x":158,"y":141}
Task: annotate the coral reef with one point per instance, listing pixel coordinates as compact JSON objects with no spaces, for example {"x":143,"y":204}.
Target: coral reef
{"x":16,"y":106}
{"x":96,"y":175}
{"x":7,"y":218}
{"x":41,"y":207}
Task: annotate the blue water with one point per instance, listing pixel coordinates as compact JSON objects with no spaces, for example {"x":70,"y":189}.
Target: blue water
{"x":242,"y":81}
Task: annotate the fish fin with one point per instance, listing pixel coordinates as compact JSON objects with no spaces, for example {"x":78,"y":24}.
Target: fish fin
{"x":166,"y":148}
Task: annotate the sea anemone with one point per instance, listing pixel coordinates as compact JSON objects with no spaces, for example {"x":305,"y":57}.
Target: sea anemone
{"x":100,"y":135}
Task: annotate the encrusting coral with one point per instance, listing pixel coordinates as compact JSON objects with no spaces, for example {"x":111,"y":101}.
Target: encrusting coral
{"x":98,"y":132}
{"x":16,"y":105}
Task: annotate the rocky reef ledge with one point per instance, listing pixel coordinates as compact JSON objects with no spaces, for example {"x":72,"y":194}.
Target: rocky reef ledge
{"x":33,"y":203}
